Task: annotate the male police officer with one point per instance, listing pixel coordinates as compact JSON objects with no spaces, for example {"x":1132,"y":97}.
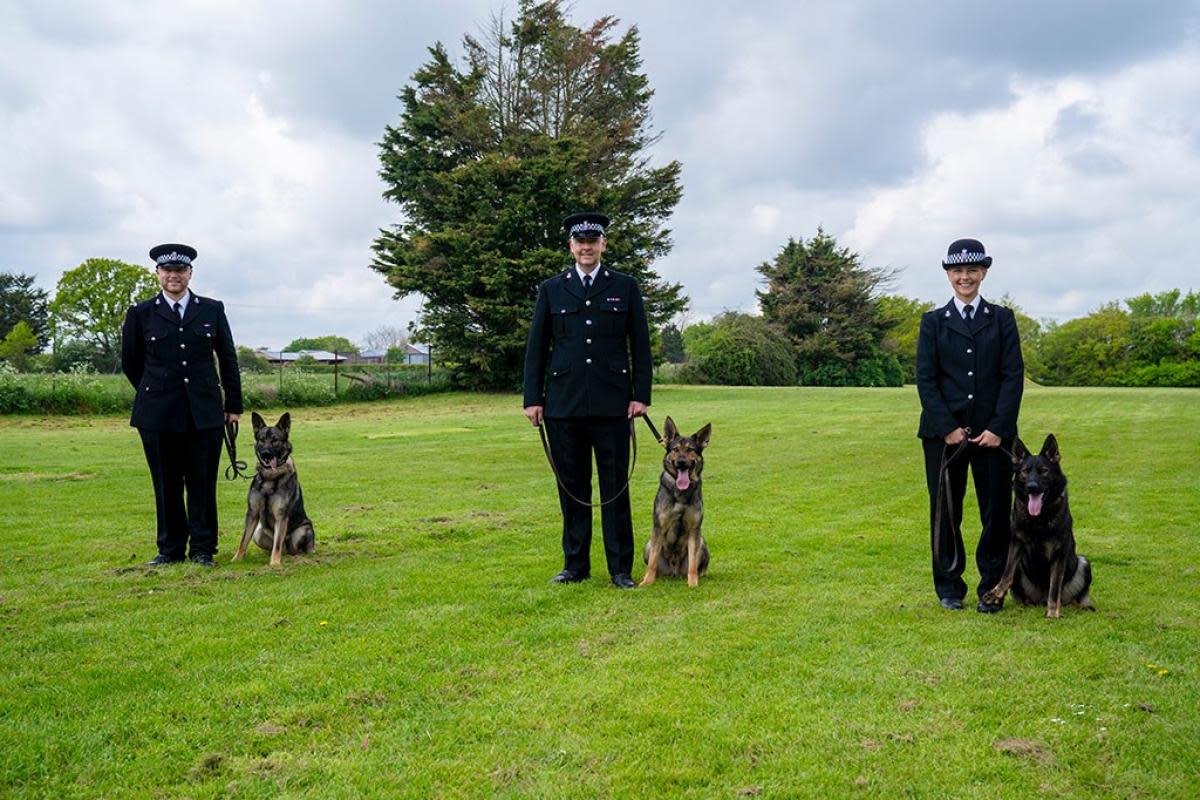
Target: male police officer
{"x":168,"y":344}
{"x":589,"y":325}
{"x":970,"y":377}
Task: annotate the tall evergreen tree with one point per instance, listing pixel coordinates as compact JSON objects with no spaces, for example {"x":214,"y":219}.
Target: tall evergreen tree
{"x":21,"y":301}
{"x":541,"y":120}
{"x":825,"y":301}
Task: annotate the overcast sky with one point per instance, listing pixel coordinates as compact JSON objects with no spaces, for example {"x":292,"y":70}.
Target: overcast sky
{"x":1064,"y":135}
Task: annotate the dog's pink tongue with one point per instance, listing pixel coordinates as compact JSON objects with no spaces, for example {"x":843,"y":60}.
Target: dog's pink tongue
{"x":1035,"y":504}
{"x":273,"y":462}
{"x":683,"y":480}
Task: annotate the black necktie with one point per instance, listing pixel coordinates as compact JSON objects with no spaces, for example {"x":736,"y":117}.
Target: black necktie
{"x":969,"y":311}
{"x":179,"y":310}
{"x":587,"y":282}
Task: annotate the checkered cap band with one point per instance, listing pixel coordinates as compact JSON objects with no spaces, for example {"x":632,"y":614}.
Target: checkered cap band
{"x":173,"y":258}
{"x":965,"y":257}
{"x":586,"y":228}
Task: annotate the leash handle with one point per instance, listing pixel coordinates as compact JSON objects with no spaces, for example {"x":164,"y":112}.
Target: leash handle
{"x":236,"y":469}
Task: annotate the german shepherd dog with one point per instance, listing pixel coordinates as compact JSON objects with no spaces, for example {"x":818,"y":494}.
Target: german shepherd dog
{"x":676,"y":546}
{"x":275,"y":514}
{"x":1042,"y":564}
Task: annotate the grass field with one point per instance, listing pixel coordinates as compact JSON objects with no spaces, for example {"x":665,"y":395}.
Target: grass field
{"x":422,"y":653}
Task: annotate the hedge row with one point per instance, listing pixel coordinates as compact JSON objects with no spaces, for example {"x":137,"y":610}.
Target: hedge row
{"x":91,"y":393}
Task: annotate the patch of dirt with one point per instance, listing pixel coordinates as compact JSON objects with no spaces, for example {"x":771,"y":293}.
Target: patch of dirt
{"x":1025,"y":748}
{"x":374,"y":699}
{"x":908,"y":704}
{"x":870,"y":744}
{"x":31,"y":477}
{"x":750,"y":791}
{"x":208,"y":766}
{"x":269,"y":729}
{"x":1147,"y":707}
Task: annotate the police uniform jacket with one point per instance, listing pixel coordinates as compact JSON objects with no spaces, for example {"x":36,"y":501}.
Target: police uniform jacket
{"x":969,"y":375}
{"x":588,"y":354}
{"x":173,"y":365}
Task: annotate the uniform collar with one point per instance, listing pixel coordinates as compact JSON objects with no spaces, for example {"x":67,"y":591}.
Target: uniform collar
{"x":977,"y":304}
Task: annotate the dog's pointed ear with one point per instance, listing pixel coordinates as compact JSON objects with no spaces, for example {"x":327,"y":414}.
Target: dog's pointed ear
{"x":1019,"y":451}
{"x":700,"y":438}
{"x":1050,"y":448}
{"x":257,"y":421}
{"x":670,"y":432}
{"x":285,"y":423}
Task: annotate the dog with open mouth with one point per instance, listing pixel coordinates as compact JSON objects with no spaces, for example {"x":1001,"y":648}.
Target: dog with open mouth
{"x":275,"y":516}
{"x":676,"y":547}
{"x":1042,"y":566}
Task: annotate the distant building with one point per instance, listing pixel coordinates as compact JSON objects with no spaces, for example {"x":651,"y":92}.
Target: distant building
{"x":320,"y":356}
{"x":416,"y":353}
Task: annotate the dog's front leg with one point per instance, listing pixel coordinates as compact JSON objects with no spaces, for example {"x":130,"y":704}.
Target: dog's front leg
{"x":652,"y":560}
{"x":996,"y":593}
{"x":693,"y":565}
{"x":277,"y":544}
{"x":251,"y":523}
{"x":1058,"y":568}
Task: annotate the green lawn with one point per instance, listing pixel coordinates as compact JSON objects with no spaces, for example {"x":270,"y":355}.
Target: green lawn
{"x":422,"y":653}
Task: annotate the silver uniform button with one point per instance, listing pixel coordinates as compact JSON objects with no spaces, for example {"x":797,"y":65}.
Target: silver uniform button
{"x":185,"y":363}
{"x":624,"y":371}
{"x":589,"y":341}
{"x":587,"y":302}
{"x":589,"y":361}
{"x":182,"y":346}
{"x":970,"y":397}
{"x":181,"y":330}
{"x":968,"y":349}
{"x":589,"y":322}
{"x":970,"y":373}
{"x":185,"y":380}
{"x":154,"y":338}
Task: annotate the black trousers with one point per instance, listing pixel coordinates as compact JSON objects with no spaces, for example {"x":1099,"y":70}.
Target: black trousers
{"x":180,"y":461}
{"x":573,"y":440}
{"x":992,"y":472}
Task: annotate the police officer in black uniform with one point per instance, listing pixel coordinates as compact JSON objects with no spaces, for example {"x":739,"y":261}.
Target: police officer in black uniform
{"x":171,"y":348}
{"x":587,"y":374}
{"x":970,"y":377}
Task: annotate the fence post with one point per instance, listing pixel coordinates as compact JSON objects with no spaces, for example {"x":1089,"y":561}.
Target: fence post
{"x":281,"y":375}
{"x":335,"y":373}
{"x":429,"y":363}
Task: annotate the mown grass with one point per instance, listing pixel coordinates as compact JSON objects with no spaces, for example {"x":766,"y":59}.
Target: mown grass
{"x":422,"y":653}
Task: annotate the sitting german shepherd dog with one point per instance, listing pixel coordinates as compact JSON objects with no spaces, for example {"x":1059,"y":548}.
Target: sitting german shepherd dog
{"x":1042,"y":565}
{"x":676,"y":546}
{"x":275,"y":514}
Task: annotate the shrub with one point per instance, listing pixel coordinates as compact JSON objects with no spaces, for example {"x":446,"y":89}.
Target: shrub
{"x":740,"y":350}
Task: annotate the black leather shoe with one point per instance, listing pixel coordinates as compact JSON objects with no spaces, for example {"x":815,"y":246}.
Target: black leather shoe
{"x":570,"y":576}
{"x":203,"y":559}
{"x":622,"y":580}
{"x":160,"y":561}
{"x":951,"y":603}
{"x":988,"y":608}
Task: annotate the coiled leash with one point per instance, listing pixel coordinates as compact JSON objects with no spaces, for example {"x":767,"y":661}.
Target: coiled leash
{"x":943,"y":491}
{"x":632,"y":462}
{"x":236,"y":469}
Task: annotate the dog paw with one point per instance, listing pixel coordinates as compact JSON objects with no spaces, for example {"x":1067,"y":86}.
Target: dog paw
{"x":1053,"y":613}
{"x":992,"y":598}
{"x":693,"y":581}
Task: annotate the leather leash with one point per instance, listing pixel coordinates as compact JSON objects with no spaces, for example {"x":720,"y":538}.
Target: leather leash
{"x":236,"y":469}
{"x":945,"y":499}
{"x":632,"y":462}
